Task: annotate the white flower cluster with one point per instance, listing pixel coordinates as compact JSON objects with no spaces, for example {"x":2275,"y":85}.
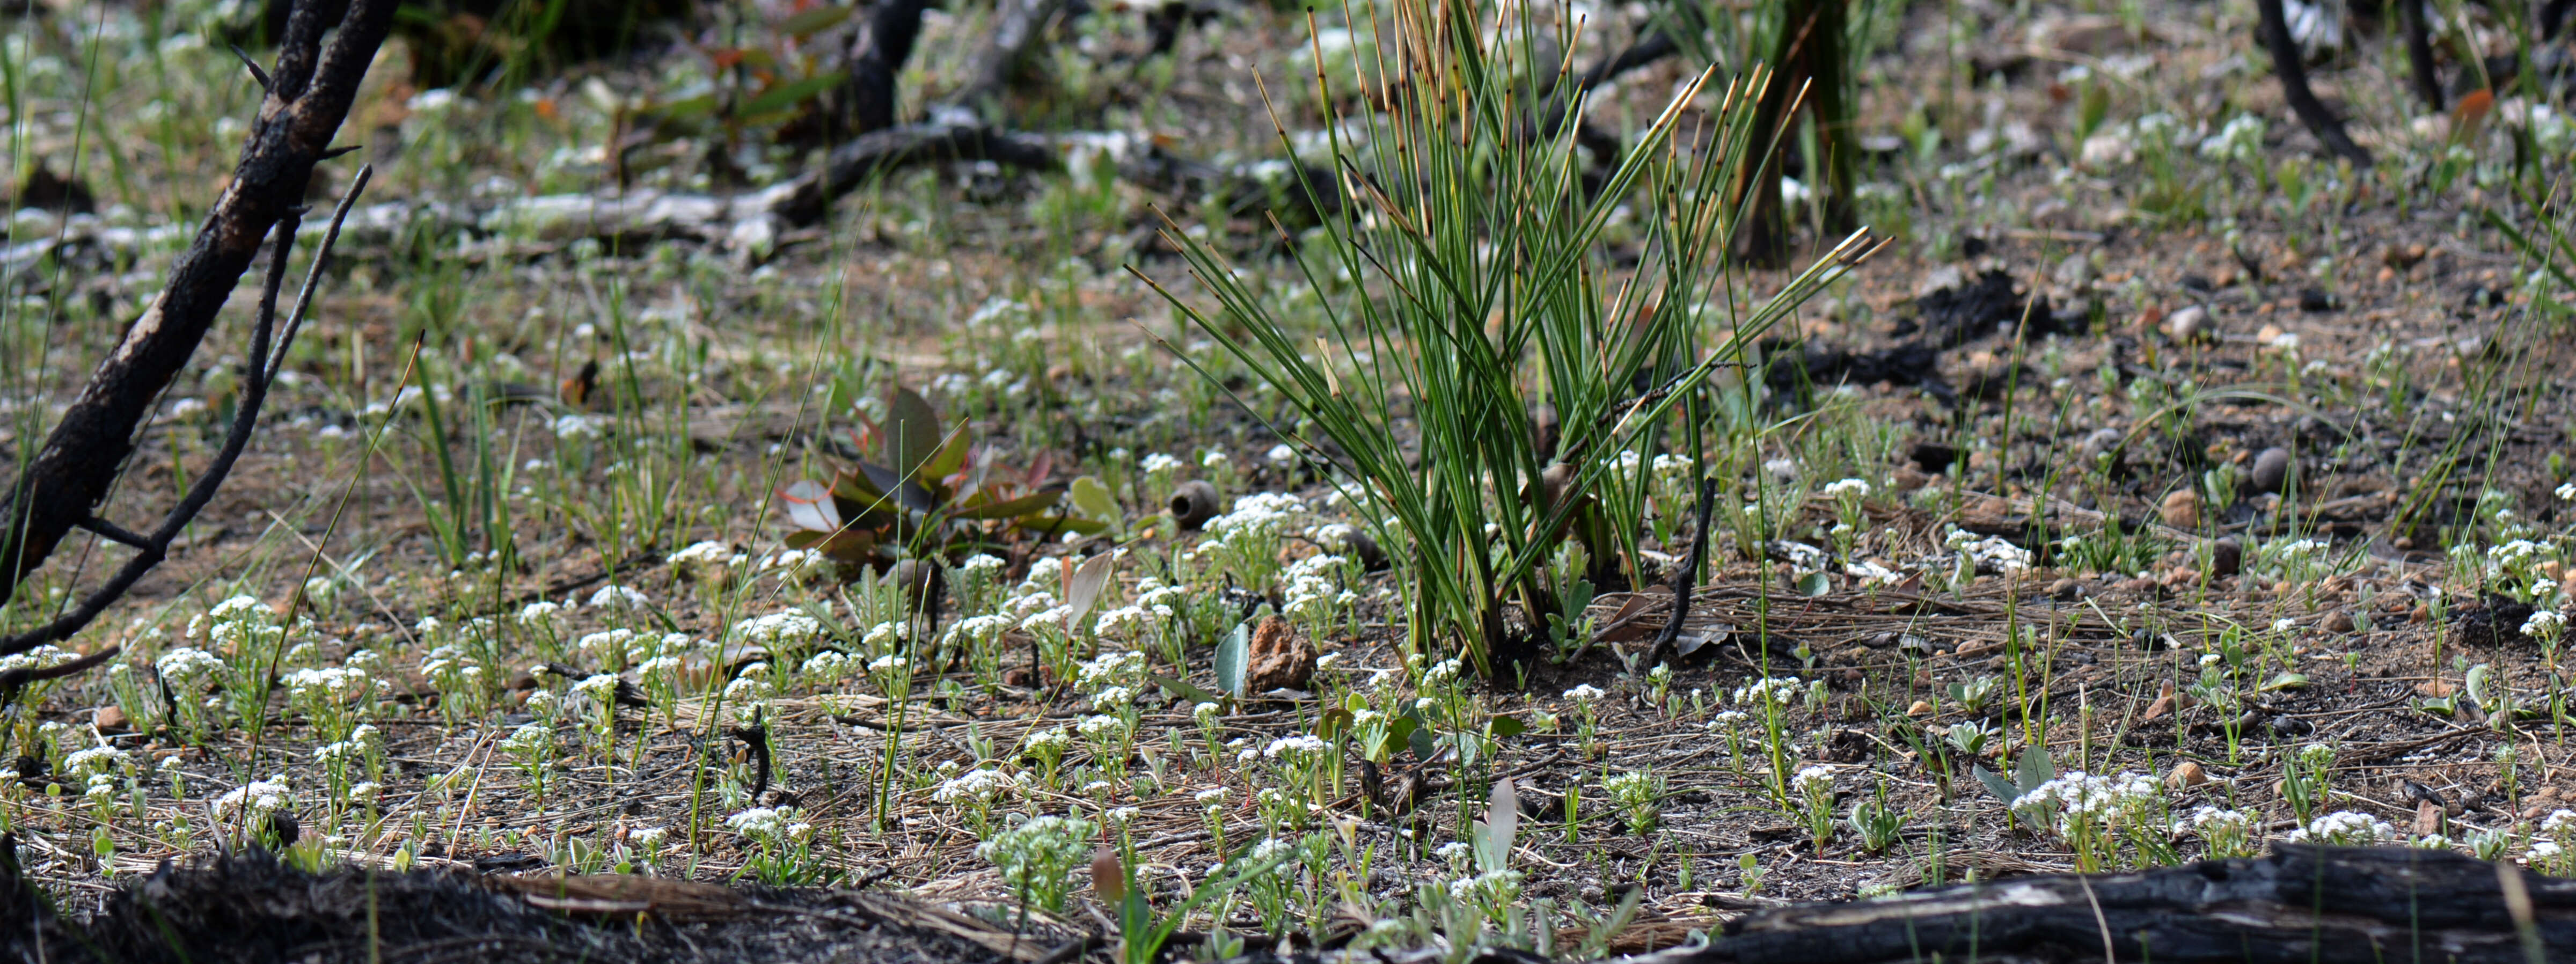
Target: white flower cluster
{"x":2344,"y":828}
{"x":338,"y":684}
{"x":2077,"y":796}
{"x":258,"y":799}
{"x":1313,"y":589}
{"x":799,"y":566}
{"x":787,"y":628}
{"x":1855,"y":488}
{"x":614,"y":596}
{"x":700,"y":557}
{"x":979,"y":630}
{"x":2544,"y":624}
{"x":1813,"y":779}
{"x":980,"y":785}
{"x":187,"y":667}
{"x":1038,"y":849}
{"x":610,"y":648}
{"x":1778,"y":689}
{"x":1990,"y":552}
{"x":1264,"y":513}
{"x":771,"y":825}
{"x":238,"y":622}
{"x":1112,"y":669}
{"x":1584,"y":693}
{"x":1297,"y":749}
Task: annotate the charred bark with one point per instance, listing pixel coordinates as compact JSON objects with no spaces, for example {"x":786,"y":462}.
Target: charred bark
{"x":880,"y":53}
{"x":2274,"y":26}
{"x":2315,"y":905}
{"x":2427,"y":78}
{"x":1808,"y":74}
{"x":310,"y":89}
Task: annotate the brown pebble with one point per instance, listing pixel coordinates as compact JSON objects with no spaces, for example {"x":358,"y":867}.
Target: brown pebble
{"x":2186,"y":775}
{"x":109,"y":718}
{"x":2436,"y":688}
{"x":1920,"y":708}
{"x":2181,"y":509}
{"x":2428,"y":818}
{"x":2065,"y":590}
{"x":2339,"y":621}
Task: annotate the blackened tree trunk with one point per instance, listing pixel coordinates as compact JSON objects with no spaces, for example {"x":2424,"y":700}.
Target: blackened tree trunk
{"x":1809,"y":67}
{"x":880,"y":52}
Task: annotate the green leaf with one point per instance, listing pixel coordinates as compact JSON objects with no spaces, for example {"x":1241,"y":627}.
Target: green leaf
{"x":1231,"y":657}
{"x":1506,"y":727}
{"x":1333,"y":723}
{"x":1400,"y":733}
{"x":814,"y":20}
{"x":788,"y":95}
{"x":1815,"y":584}
{"x":1195,"y":694}
{"x":1421,"y":742}
{"x":1092,"y":498}
{"x":1996,"y":784}
{"x":2036,"y":768}
{"x":2284,"y":681}
{"x":951,"y":457}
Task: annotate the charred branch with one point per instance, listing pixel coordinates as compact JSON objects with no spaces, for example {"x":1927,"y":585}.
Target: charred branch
{"x":310,"y":89}
{"x":2274,"y":26}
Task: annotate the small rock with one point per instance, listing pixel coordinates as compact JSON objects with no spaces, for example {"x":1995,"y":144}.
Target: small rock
{"x":1978,"y":647}
{"x":2181,"y":509}
{"x":2339,"y":621}
{"x":2318,"y":299}
{"x":1920,"y":708}
{"x":2428,"y":818}
{"x":2435,"y":688}
{"x":2157,"y":710}
{"x":2140,"y":586}
{"x":1278,"y":658}
{"x":2226,"y":558}
{"x":109,"y":718}
{"x":2186,"y":775}
{"x":2187,"y":324}
{"x":2271,"y":470}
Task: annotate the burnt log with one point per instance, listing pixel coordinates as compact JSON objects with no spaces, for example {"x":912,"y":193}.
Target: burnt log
{"x":2309,"y":905}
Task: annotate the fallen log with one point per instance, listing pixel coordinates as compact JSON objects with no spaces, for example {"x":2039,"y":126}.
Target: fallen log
{"x":2311,"y":905}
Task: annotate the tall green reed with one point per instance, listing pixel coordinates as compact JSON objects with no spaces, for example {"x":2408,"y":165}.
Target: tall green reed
{"x":1469,"y":286}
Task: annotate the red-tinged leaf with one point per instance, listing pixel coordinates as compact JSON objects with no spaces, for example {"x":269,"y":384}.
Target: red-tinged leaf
{"x":805,"y":538}
{"x":809,"y":506}
{"x":1040,"y":469}
{"x":851,"y":545}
